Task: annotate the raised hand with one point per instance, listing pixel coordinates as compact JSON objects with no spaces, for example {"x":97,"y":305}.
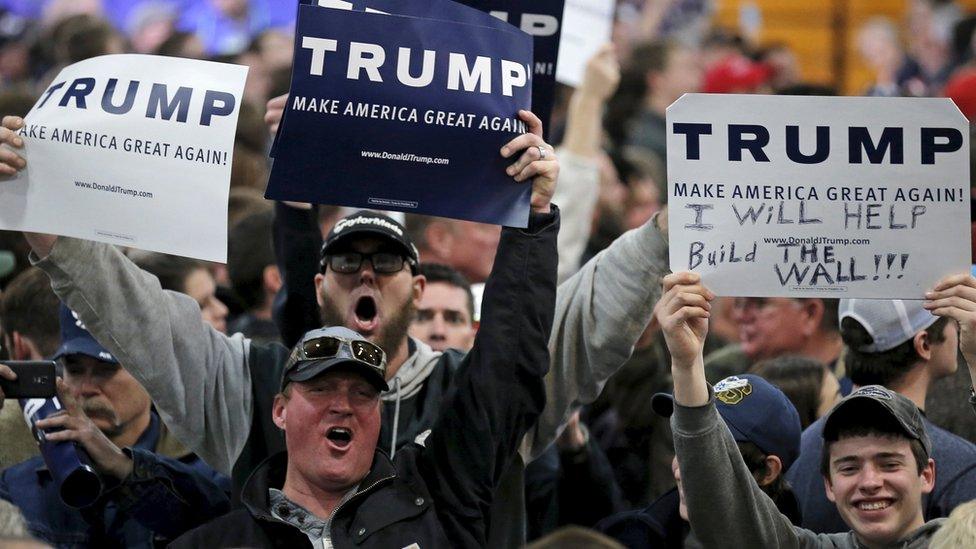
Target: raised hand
{"x":538,"y":162}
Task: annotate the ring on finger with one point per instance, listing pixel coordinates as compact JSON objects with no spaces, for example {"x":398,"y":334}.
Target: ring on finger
{"x":542,"y":152}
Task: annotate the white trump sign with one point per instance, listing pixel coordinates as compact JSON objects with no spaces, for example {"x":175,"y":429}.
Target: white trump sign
{"x":818,"y":196}
{"x":133,"y":150}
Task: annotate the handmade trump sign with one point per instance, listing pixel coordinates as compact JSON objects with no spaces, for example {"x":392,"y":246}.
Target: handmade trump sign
{"x":401,"y":113}
{"x":818,"y":196}
{"x":132,"y":150}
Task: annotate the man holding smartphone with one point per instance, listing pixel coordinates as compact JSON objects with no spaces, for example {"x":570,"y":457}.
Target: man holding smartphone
{"x":148,"y":496}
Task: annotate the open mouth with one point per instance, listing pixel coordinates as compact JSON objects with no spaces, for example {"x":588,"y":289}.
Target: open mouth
{"x":367,"y":316}
{"x":366,"y":308}
{"x":339,"y":436}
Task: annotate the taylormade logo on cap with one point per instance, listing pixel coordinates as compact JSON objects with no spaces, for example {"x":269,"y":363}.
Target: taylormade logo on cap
{"x":346,"y":223}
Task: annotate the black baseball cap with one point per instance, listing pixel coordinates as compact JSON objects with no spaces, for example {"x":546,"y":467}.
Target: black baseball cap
{"x":878,"y":398}
{"x":332,"y":348}
{"x":370,"y":223}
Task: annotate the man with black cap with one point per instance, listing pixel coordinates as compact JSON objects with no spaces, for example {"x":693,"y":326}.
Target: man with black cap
{"x":876,"y":462}
{"x":766,"y":429}
{"x":899,"y":345}
{"x":154,"y":490}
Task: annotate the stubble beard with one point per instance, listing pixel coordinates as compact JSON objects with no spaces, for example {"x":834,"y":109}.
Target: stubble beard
{"x":391,"y":333}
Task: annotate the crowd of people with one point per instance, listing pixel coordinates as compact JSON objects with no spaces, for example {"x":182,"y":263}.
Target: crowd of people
{"x":395,"y":380}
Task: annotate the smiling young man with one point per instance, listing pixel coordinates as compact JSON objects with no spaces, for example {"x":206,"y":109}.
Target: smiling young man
{"x":876,"y":466}
{"x":901,"y":346}
{"x":876,"y":451}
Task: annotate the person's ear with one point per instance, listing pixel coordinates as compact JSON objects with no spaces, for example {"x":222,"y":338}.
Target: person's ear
{"x":320,"y":289}
{"x":419,"y":284}
{"x":774,"y":467}
{"x":814,"y":310}
{"x":22,"y":348}
{"x":271,"y":279}
{"x":928,"y":477}
{"x":922,"y":344}
{"x":278,"y":411}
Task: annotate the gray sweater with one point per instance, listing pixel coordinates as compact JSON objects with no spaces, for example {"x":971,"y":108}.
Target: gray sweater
{"x":722,"y":494}
{"x":201,"y":386}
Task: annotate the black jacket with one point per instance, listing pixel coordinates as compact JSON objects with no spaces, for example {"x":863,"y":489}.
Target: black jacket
{"x":437,"y":495}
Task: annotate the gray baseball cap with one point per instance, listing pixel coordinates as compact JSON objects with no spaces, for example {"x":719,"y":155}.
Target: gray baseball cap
{"x":326,"y":349}
{"x":880,"y":398}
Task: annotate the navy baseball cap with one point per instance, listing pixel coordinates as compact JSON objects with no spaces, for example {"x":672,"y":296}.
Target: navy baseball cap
{"x":370,"y":223}
{"x":755,"y":411}
{"x":75,"y":339}
{"x":326,"y":349}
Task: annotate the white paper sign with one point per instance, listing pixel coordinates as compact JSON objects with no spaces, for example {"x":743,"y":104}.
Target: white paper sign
{"x":818,"y":196}
{"x":133,"y":150}
{"x":587,"y":25}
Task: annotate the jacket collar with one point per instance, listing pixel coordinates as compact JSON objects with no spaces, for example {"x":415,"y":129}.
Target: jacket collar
{"x":270,"y":473}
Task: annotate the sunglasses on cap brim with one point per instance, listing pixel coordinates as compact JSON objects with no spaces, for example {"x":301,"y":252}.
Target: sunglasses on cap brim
{"x":325,"y":347}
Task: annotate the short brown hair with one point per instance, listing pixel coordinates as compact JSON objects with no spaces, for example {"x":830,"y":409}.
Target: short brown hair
{"x":870,"y":421}
{"x":30,"y":307}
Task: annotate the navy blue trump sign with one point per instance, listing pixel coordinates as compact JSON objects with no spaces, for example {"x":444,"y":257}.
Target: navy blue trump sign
{"x":402,"y":113}
{"x":542,"y":19}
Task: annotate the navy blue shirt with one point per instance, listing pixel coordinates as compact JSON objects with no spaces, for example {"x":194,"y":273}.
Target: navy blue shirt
{"x":955,"y":478}
{"x":161,"y":499}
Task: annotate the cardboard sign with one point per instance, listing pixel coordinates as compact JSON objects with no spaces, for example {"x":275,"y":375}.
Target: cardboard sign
{"x":133,"y":150}
{"x":587,"y":25}
{"x":401,"y":113}
{"x":818,"y":196}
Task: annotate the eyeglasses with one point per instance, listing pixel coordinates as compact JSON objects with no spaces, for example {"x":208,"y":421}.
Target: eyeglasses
{"x":351,"y":262}
{"x":331,"y":347}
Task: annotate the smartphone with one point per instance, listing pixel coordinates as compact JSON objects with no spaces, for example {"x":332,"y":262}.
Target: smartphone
{"x":35,"y":379}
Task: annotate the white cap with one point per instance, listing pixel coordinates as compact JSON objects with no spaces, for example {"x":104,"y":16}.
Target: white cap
{"x":890,"y":322}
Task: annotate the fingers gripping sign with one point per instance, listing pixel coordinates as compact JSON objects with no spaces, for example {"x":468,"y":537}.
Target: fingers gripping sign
{"x":537,"y":162}
{"x":10,"y":161}
{"x":74,"y":425}
{"x":683,"y":313}
{"x":955,"y":297}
